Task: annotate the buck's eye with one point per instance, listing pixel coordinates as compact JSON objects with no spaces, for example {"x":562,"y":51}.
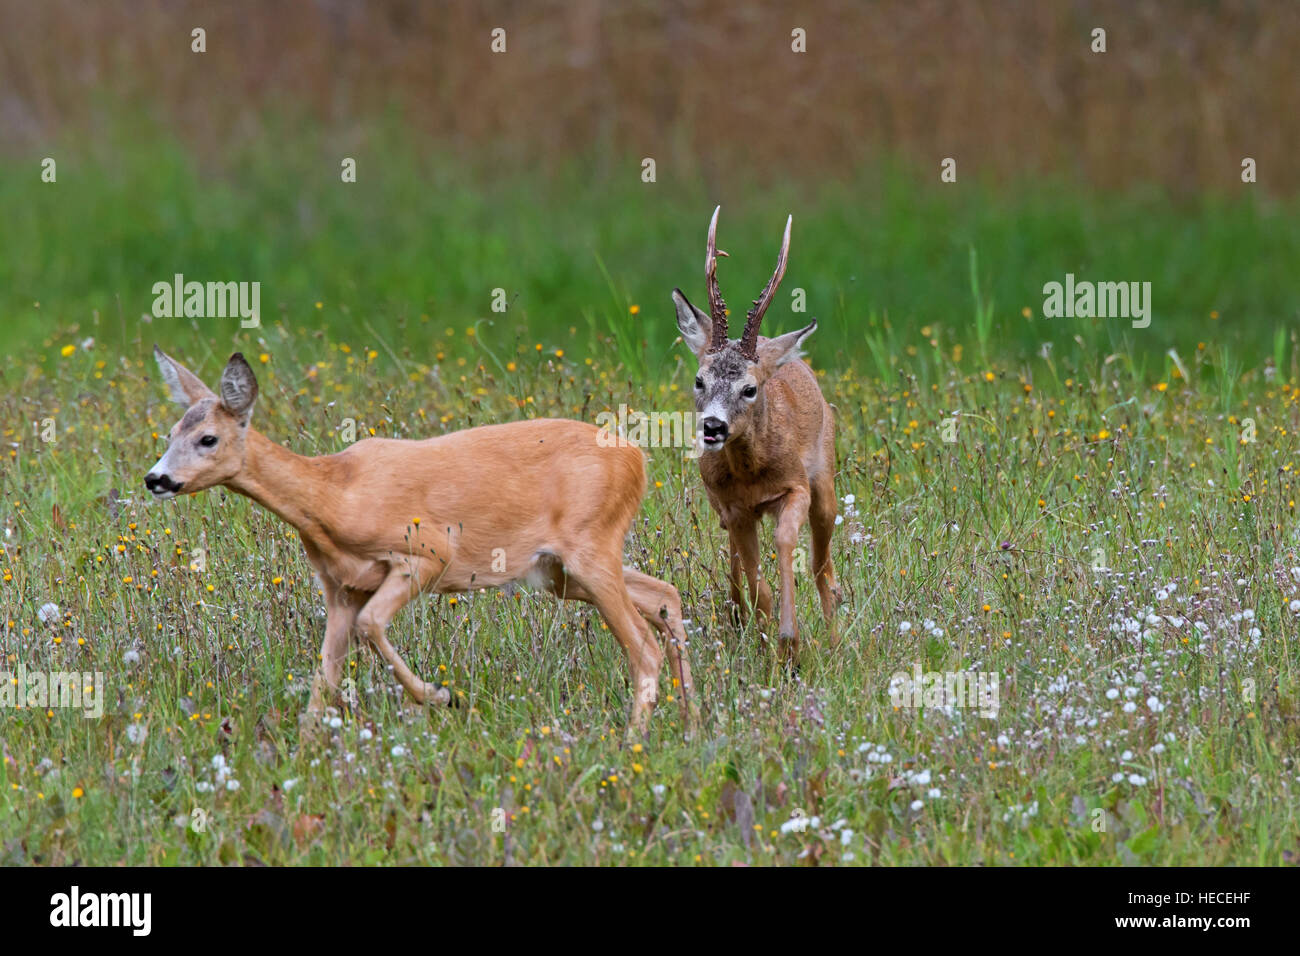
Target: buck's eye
{"x":750,"y":391}
{"x":207,"y":441}
{"x":699,"y":384}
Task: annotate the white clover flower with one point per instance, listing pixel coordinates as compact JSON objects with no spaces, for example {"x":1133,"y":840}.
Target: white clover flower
{"x":1130,"y":707}
{"x":1112,"y":693}
{"x":136,"y":733}
{"x":1295,"y":607}
{"x":1153,"y":702}
{"x":922,"y":778}
{"x":850,"y":499}
{"x":399,"y":751}
{"x":597,"y":825}
{"x":131,"y":657}
{"x":232,"y":785}
{"x":48,"y":612}
{"x":1248,"y":614}
{"x":918,"y":804}
{"x":1126,"y":755}
{"x":1117,"y":778}
{"x":933,"y":793}
{"x":336,"y":723}
{"x":290,"y":784}
{"x":1137,"y":780}
{"x":366,"y":733}
{"x":904,"y":627}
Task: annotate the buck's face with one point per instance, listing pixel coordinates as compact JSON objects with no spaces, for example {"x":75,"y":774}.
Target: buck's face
{"x":206,"y":447}
{"x":728,"y":389}
{"x":729,"y":383}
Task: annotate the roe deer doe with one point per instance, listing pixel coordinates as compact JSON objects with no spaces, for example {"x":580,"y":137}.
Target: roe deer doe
{"x":382,"y":521}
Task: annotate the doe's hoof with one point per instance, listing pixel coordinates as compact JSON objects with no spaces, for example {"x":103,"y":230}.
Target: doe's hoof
{"x":436,"y":696}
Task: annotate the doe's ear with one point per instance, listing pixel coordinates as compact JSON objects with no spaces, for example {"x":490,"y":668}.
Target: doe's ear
{"x":238,"y":387}
{"x":695,"y":326}
{"x":784,"y":348}
{"x":183,"y":385}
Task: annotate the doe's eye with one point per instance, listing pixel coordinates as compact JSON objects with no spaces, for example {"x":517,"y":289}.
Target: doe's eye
{"x":750,"y":391}
{"x":699,"y":383}
{"x":207,"y":441}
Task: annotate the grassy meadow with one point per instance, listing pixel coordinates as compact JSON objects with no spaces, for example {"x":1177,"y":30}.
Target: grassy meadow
{"x":1112,"y":529}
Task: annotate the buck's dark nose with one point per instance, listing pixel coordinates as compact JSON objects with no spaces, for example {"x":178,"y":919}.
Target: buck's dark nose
{"x":159,"y":484}
{"x":715,"y":431}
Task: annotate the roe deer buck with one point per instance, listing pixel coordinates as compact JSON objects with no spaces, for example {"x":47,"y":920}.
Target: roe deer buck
{"x":768,"y":440}
{"x":386,"y":519}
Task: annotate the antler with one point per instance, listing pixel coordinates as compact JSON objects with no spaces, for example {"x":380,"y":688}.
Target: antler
{"x":717,"y":308}
{"x":749,"y":340}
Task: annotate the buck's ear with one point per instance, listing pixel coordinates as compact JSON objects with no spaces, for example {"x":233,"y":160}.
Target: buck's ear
{"x":695,"y":326}
{"x":238,"y":387}
{"x":785,"y":348}
{"x":183,"y":385}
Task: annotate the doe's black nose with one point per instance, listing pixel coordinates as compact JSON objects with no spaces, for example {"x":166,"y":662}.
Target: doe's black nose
{"x":163,"y":482}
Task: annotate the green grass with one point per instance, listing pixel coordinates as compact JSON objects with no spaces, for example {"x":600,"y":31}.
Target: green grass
{"x":993,"y":538}
{"x":1085,"y":480}
{"x":426,"y":234}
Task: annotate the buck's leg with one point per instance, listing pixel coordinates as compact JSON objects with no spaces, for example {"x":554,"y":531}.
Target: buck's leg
{"x":402,"y":583}
{"x":342,"y":606}
{"x":793,"y":515}
{"x":743,"y":537}
{"x":661,"y":604}
{"x":821,"y":518}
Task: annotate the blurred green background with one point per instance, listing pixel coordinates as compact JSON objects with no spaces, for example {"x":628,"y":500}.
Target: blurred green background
{"x":522,"y":170}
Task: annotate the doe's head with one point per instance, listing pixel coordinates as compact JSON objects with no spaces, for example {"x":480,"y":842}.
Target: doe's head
{"x":206,"y":447}
{"x":732,"y":373}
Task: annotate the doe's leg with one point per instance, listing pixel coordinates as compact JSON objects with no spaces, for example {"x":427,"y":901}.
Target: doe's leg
{"x":342,"y":605}
{"x":402,"y":584}
{"x":661,"y":604}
